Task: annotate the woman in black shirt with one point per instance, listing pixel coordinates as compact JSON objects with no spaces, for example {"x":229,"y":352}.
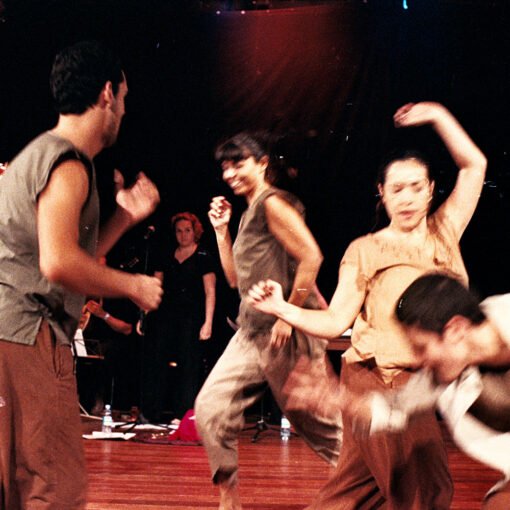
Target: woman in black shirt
{"x":183,"y":320}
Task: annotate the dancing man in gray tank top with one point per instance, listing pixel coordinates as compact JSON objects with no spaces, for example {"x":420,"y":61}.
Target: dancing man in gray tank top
{"x":273,"y":239}
{"x":49,"y":238}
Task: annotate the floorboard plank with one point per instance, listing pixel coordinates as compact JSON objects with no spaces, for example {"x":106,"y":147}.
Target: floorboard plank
{"x":274,"y":476}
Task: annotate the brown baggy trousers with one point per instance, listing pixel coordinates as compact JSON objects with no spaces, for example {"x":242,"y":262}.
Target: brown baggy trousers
{"x":42,"y":464}
{"x":394,"y":471}
{"x":238,"y":380}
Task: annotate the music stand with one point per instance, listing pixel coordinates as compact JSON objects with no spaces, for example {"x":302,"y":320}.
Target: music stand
{"x":87,"y":350}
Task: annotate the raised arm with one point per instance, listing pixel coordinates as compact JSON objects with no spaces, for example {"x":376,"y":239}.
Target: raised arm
{"x":330,"y":323}
{"x":219,"y":214}
{"x":61,"y":258}
{"x":462,"y":202}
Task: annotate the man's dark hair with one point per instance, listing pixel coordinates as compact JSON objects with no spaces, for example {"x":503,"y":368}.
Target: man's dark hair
{"x":432,"y":300}
{"x":80,"y":72}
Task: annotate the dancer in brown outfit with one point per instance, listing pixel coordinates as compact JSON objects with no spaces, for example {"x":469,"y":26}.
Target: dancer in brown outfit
{"x":409,"y":469}
{"x":49,"y":238}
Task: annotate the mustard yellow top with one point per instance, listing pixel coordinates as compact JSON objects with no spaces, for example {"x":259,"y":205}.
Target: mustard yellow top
{"x":386,"y":268}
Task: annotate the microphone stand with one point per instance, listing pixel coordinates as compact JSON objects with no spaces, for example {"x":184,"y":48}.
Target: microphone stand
{"x":140,"y":419}
{"x":147,"y":237}
{"x":262,"y":425}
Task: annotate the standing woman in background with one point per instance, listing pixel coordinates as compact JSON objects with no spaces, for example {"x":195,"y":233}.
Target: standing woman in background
{"x":183,"y":321}
{"x":396,"y":470}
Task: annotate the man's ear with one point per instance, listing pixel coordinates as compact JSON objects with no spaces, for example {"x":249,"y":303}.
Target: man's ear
{"x":106,"y":96}
{"x":455,"y":329}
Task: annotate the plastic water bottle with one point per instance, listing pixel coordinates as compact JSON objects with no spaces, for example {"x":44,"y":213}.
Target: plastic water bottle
{"x":285,"y":429}
{"x":107,"y":424}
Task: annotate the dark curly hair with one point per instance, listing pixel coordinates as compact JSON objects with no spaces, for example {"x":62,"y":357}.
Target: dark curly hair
{"x":80,"y":72}
{"x":433,"y":299}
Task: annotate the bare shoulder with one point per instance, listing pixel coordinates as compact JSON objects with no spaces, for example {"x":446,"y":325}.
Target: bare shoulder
{"x":283,"y":203}
{"x":69,"y":173}
{"x":279,"y":198}
{"x":67,"y":184}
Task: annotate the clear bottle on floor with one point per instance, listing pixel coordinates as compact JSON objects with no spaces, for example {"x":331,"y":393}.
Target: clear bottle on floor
{"x":107,"y":424}
{"x":285,"y":428}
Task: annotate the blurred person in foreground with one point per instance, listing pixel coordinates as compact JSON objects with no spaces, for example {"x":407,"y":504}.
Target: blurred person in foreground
{"x":462,"y":348}
{"x":49,"y":245}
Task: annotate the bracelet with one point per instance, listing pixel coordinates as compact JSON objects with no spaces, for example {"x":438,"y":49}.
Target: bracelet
{"x":106,"y":316}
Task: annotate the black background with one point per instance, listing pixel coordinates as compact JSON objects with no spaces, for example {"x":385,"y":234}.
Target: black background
{"x":324,"y":76}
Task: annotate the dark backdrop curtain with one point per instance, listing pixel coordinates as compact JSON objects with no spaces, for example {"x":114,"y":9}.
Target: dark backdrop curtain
{"x":326,"y":78}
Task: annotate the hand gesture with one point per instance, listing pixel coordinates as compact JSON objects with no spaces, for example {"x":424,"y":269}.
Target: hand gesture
{"x":416,"y":114}
{"x":280,"y":334}
{"x":147,"y":295}
{"x":205,"y":332}
{"x":266,"y":296}
{"x":95,"y":308}
{"x":138,"y":201}
{"x":220,"y":212}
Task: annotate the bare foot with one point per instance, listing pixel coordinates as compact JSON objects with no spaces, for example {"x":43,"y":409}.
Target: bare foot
{"x":229,"y":498}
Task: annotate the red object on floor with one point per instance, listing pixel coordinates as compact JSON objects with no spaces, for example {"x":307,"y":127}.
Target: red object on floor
{"x":187,"y":431}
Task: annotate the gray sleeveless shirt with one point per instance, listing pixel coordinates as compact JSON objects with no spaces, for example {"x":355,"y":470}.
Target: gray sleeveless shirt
{"x":26,"y":296}
{"x":258,"y":255}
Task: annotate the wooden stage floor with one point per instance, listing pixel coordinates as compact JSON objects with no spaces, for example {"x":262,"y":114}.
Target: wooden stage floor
{"x":126,"y":475}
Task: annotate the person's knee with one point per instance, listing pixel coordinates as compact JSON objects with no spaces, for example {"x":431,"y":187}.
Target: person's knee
{"x":213,"y":413}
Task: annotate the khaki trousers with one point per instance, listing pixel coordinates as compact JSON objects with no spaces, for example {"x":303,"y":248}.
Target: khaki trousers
{"x":394,"y":471}
{"x":239,"y":378}
{"x":42,"y":464}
